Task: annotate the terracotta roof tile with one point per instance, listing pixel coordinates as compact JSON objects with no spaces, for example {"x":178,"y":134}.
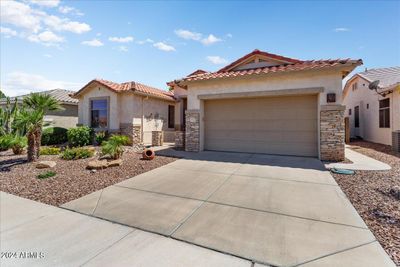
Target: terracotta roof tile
{"x":288,"y":67}
{"x":131,"y":86}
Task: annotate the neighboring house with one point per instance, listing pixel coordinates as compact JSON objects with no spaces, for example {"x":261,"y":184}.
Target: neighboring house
{"x":66,"y":118}
{"x":265,"y":103}
{"x":128,"y":108}
{"x":374,"y":115}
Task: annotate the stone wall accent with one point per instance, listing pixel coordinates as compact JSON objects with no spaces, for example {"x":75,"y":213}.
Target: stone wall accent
{"x":396,"y":141}
{"x":157,"y":138}
{"x":332,"y":132}
{"x":180,"y":139}
{"x":132,"y":131}
{"x":192,"y":136}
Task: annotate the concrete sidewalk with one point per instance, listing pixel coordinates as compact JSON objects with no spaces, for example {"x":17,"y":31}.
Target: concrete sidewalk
{"x":35,"y":234}
{"x":360,"y":162}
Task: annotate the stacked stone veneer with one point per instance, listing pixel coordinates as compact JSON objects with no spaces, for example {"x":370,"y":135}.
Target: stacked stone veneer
{"x":157,"y":138}
{"x":132,"y":131}
{"x":332,"y":133}
{"x":180,"y":139}
{"x":192,"y":136}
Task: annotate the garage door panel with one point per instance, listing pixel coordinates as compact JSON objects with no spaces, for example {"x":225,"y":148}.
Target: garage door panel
{"x":276,"y":125}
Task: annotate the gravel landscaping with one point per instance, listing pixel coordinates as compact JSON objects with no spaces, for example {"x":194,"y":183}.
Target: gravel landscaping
{"x":72,"y":180}
{"x":375,"y":195}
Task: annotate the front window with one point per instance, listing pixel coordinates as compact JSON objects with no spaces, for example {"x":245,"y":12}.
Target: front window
{"x":171,"y":116}
{"x":99,"y":113}
{"x":384,"y":113}
{"x":357,"y":117}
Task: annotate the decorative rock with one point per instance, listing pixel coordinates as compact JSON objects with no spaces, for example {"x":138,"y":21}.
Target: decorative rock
{"x":97,"y":164}
{"x":45,"y":164}
{"x":114,"y":163}
{"x":395,"y":192}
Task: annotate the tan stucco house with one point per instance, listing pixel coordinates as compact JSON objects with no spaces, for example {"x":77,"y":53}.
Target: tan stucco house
{"x":66,"y":118}
{"x":129,"y":108}
{"x":264,"y":103}
{"x":374,"y":115}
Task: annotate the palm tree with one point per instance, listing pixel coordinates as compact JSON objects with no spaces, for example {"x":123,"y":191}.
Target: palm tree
{"x":36,"y":106}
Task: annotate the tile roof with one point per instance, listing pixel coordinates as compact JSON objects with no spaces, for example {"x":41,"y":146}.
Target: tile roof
{"x":131,"y":86}
{"x":386,"y":76}
{"x":261,"y":53}
{"x":61,"y":95}
{"x":287,"y":67}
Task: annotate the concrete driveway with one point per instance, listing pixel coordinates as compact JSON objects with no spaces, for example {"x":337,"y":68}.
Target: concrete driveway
{"x":274,"y":210}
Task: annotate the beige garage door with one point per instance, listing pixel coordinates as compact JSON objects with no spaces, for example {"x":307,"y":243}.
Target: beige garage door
{"x":273,"y":125}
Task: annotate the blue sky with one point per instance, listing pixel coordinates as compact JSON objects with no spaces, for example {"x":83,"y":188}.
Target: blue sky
{"x":48,"y":44}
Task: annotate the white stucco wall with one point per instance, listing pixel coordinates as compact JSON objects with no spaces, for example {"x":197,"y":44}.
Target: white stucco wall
{"x":99,"y":91}
{"x":369,"y":117}
{"x":331,"y":81}
{"x":128,"y":107}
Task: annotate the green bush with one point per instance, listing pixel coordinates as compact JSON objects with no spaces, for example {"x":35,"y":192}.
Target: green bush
{"x":50,"y":150}
{"x":79,"y":136}
{"x":54,"y":136}
{"x":18,"y":143}
{"x":77,"y":153}
{"x":6,"y":141}
{"x":113,"y":146}
{"x":100,"y":137}
{"x":47,"y":174}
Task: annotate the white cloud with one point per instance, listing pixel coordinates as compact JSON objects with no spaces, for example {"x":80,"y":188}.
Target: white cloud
{"x":59,"y":24}
{"x":33,"y":20}
{"x":211,"y":39}
{"x":126,"y":39}
{"x":70,"y":10}
{"x":47,"y":38}
{"x":123,"y":48}
{"x":18,"y":83}
{"x":164,"y":47}
{"x":148,"y":40}
{"x":46,"y":3}
{"x":20,"y":15}
{"x":217,"y":60}
{"x":341,"y":29}
{"x":7,"y":32}
{"x":94,"y":42}
{"x":229,"y":35}
{"x":188,"y":35}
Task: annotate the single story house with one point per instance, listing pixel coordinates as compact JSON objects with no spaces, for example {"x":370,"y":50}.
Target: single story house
{"x":264,"y":103}
{"x":129,"y":108}
{"x":66,"y":118}
{"x":374,"y":115}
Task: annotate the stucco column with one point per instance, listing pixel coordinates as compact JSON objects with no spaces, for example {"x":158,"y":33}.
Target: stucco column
{"x":192,"y":137}
{"x":332,"y":132}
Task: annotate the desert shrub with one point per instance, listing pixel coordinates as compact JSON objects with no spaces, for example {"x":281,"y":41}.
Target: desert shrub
{"x":54,"y":136}
{"x":79,"y":136}
{"x":77,"y":153}
{"x":6,"y":141}
{"x":18,"y":144}
{"x":113,"y":147}
{"x":46,"y":174}
{"x":50,"y":150}
{"x":100,"y":137}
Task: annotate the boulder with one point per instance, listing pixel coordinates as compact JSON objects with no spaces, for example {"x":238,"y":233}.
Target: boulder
{"x":45,"y":164}
{"x":114,"y":163}
{"x":97,"y":164}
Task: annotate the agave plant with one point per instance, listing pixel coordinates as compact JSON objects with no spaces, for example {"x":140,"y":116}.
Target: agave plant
{"x":7,"y":117}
